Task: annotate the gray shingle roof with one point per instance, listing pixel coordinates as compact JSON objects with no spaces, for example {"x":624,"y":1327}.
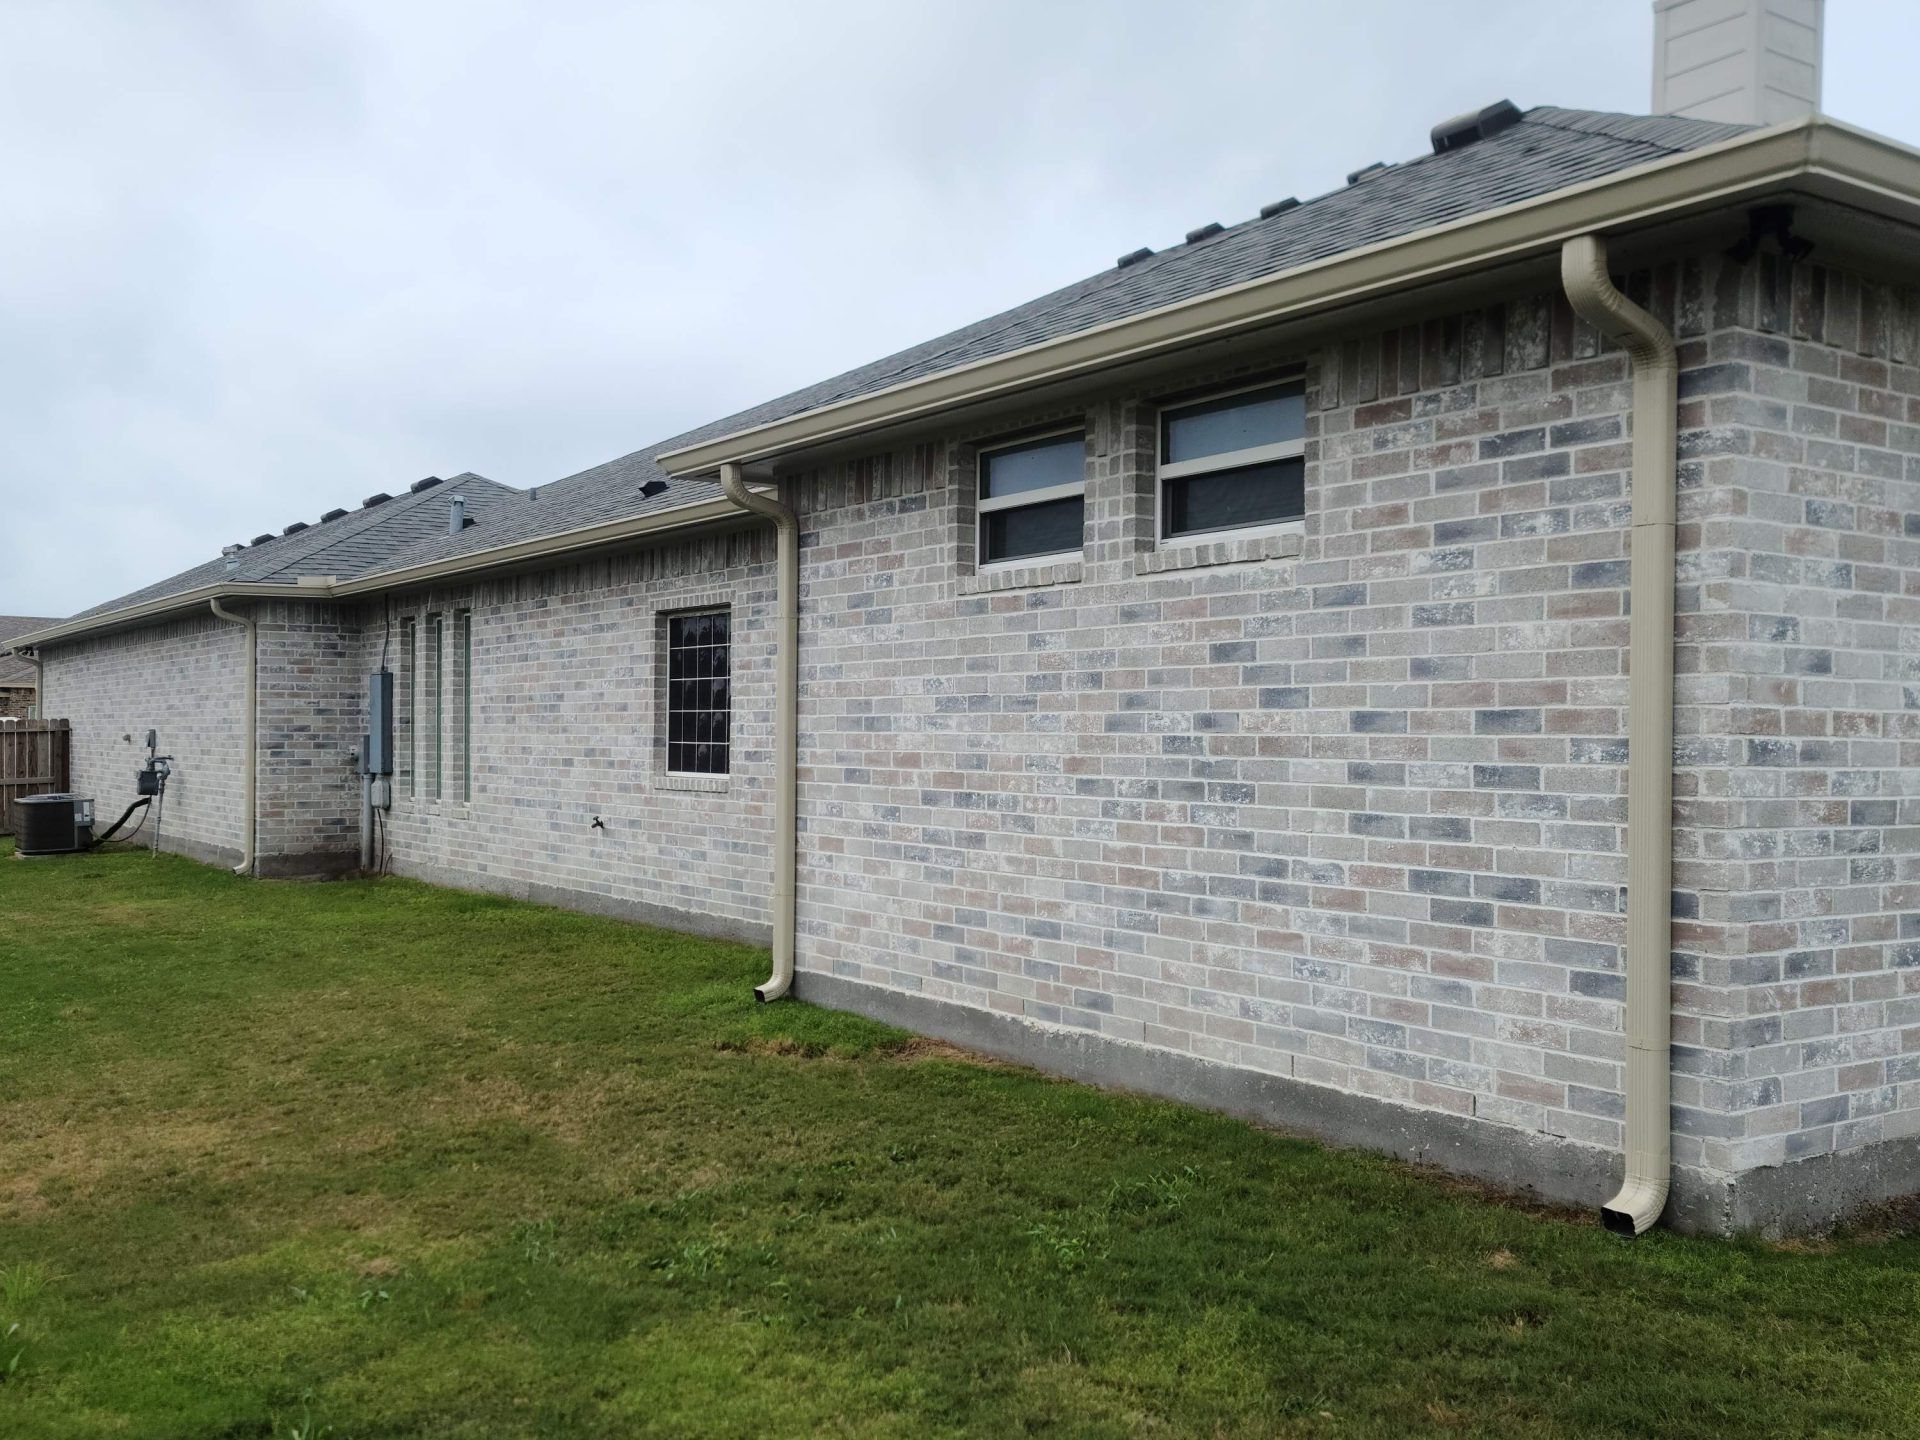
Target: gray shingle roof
{"x":355,"y":544}
{"x":1548,"y":150}
{"x":13,"y":669}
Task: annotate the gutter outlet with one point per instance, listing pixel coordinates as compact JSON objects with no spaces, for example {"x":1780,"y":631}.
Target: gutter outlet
{"x":249,"y":814}
{"x":786,"y":718}
{"x":1649,"y":1018}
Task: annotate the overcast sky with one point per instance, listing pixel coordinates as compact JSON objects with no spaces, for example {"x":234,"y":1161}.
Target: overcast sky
{"x":259,"y":260}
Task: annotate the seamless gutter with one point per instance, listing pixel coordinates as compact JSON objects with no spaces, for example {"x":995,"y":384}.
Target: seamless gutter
{"x":555,"y":546}
{"x":1861,"y":164}
{"x":1840,"y":160}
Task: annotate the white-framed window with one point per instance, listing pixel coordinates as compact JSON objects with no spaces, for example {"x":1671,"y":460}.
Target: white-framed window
{"x":1233,"y":462}
{"x":1032,"y":498}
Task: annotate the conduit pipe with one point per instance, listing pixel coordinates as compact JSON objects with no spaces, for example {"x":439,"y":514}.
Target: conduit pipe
{"x":786,"y":717}
{"x":252,"y":754}
{"x":1649,"y":1125}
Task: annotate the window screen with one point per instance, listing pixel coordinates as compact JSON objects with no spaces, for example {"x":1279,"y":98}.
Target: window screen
{"x":699,"y":693}
{"x":1234,"y":462}
{"x":1032,"y":498}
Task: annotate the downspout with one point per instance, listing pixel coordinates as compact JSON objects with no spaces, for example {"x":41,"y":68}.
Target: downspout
{"x":248,"y":811}
{"x":1649,"y":1125}
{"x":39,"y":682}
{"x":786,"y":717}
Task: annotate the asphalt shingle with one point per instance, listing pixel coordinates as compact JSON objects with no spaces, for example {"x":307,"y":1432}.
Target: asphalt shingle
{"x":1548,"y":150}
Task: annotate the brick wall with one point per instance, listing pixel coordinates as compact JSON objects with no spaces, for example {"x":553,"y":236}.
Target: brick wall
{"x":565,"y":727}
{"x":1345,"y":805}
{"x":184,"y":679}
{"x":1352,"y":809}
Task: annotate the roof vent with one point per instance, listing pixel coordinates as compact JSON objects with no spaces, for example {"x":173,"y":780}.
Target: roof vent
{"x":296,"y":527}
{"x":373,"y":500}
{"x":1204,"y":232}
{"x":426,"y":484}
{"x":653,"y":488}
{"x":457,"y":515}
{"x":1463,"y":130}
{"x":1278,"y":207}
{"x":231,"y":553}
{"x":1133,"y":257}
{"x":259,"y":540}
{"x":1366,"y":172}
{"x":331,"y":516}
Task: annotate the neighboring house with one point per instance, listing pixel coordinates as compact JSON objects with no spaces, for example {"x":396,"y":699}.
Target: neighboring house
{"x":1217,"y":677}
{"x":19,"y":677}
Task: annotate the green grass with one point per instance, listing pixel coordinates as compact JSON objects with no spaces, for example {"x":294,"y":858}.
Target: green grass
{"x":373,"y":1159}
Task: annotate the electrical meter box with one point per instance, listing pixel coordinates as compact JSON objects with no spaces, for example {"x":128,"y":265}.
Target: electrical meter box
{"x":379,"y":753}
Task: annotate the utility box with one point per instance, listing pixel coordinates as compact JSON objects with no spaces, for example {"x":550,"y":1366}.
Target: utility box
{"x":379,"y":751}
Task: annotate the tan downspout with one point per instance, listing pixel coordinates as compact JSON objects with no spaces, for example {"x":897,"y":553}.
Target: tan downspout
{"x":786,"y":718}
{"x":252,"y":728}
{"x":1649,"y":1160}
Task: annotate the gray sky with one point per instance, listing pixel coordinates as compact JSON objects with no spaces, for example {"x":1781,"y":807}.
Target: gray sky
{"x":260,"y":260}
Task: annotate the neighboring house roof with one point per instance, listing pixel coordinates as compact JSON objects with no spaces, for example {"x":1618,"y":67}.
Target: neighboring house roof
{"x":1548,"y":150}
{"x":14,"y":670}
{"x":349,"y":546}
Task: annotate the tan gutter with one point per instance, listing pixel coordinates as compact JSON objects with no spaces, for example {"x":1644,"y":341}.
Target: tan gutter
{"x":786,"y":719}
{"x":1649,"y":1011}
{"x":554,"y":547}
{"x":1830,"y":157}
{"x":547,"y":547}
{"x":250,"y":813}
{"x":186,"y":600}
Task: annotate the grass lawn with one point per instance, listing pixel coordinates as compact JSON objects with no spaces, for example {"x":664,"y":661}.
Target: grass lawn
{"x":373,"y":1159}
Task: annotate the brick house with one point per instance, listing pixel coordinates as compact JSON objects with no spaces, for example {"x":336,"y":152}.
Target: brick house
{"x":1214,"y":678}
{"x":19,"y":678}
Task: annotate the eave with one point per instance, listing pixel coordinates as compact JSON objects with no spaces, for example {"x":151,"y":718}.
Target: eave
{"x":1818,"y":156}
{"x":578,"y":543}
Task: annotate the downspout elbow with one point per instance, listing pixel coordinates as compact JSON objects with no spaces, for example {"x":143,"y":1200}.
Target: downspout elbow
{"x":1649,"y":950}
{"x":786,"y":719}
{"x":250,"y":761}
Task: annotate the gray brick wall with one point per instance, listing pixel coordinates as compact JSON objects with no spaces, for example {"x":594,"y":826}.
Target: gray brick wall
{"x":1344,"y":804}
{"x":183,"y":679}
{"x":566,"y":727}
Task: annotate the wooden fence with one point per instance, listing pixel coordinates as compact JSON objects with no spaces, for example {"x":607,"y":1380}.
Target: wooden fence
{"x":34,"y":756}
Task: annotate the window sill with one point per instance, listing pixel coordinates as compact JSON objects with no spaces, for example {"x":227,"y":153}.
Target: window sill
{"x":703,"y":784}
{"x":1228,"y":550}
{"x":1021,"y":577}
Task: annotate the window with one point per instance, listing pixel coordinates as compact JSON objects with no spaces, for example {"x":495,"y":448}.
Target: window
{"x":1033,"y":498}
{"x":434,"y":669}
{"x":699,"y":693}
{"x":463,"y":657}
{"x":409,"y":684}
{"x":1234,"y":462}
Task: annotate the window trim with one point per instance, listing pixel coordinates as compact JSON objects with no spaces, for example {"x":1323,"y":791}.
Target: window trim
{"x":463,"y":651}
{"x":1164,"y":470}
{"x":983,"y":506}
{"x":410,"y":700}
{"x":437,"y":700}
{"x":666,"y":715}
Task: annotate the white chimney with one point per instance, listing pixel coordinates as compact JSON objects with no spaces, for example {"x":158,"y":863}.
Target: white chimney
{"x":1749,"y":62}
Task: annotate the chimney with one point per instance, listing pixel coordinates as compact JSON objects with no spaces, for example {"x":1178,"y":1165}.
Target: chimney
{"x":457,"y":515}
{"x":1748,"y":62}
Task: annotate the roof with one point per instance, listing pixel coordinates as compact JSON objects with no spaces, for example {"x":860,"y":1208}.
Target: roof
{"x":346,"y":547}
{"x":13,"y":669}
{"x":1548,"y":150}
